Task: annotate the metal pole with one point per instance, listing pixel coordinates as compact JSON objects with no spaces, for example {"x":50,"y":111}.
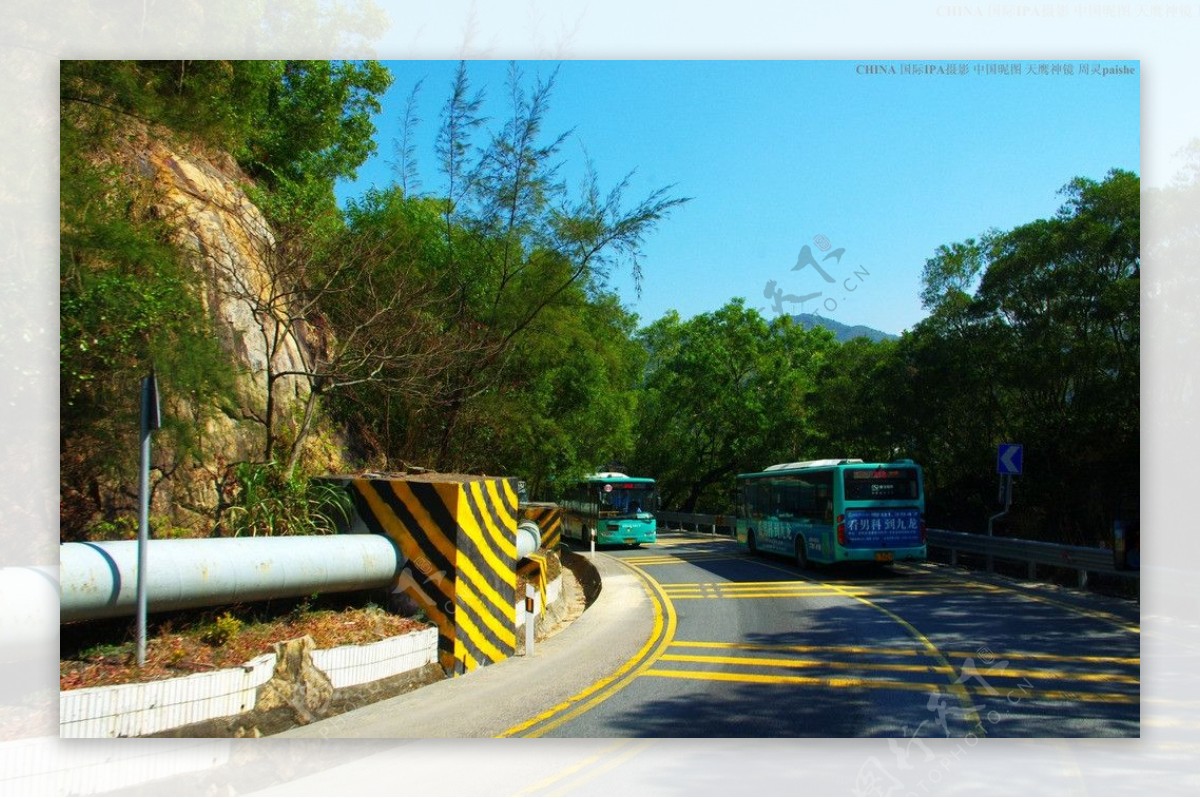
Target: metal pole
{"x":530,"y":619}
{"x":143,"y":530}
{"x":149,"y":421}
{"x":1006,"y":496}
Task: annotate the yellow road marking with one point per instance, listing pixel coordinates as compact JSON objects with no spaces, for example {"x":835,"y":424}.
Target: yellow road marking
{"x":662,"y":633}
{"x":610,"y":763}
{"x":1102,"y":615}
{"x":784,"y":589}
{"x":774,"y":662}
{"x":929,"y":571}
{"x":881,"y":684}
{"x":801,"y":649}
{"x":675,"y":559}
{"x":668,"y":541}
{"x":588,"y":761}
{"x":810,"y":681}
{"x":732,"y":596}
{"x":1051,"y":657}
{"x":1005,"y":673}
{"x":886,"y":651}
{"x":970,"y":714}
{"x":735,"y":586}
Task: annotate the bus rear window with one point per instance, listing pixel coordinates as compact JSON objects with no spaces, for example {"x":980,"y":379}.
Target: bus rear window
{"x":867,"y":484}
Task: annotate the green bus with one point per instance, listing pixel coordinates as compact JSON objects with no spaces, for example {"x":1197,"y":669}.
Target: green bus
{"x":831,"y":511}
{"x":615,"y":507}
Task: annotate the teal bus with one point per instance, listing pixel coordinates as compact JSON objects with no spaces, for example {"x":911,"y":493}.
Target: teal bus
{"x":833,"y":511}
{"x":615,"y":507}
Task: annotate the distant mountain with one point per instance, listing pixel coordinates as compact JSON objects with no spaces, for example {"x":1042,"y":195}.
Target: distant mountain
{"x":843,"y":332}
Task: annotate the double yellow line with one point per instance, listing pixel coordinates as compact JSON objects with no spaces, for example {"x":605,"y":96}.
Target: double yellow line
{"x":754,"y":590}
{"x":661,"y":635}
{"x":607,"y":758}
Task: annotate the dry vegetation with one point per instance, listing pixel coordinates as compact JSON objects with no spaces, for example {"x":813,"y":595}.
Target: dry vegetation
{"x":198,"y":642}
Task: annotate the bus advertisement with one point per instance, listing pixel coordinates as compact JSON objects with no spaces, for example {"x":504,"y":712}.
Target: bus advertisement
{"x":615,"y":507}
{"x":831,"y":511}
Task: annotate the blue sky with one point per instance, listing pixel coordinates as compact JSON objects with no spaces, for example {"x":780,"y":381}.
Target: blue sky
{"x":870,"y":157}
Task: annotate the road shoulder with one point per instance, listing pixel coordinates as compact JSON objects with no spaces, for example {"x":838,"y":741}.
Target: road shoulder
{"x":487,"y":701}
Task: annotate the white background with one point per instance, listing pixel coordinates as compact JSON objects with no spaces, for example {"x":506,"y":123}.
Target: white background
{"x":35,"y":35}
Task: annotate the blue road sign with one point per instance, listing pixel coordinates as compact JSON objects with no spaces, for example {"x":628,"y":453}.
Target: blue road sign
{"x":1008,"y":459}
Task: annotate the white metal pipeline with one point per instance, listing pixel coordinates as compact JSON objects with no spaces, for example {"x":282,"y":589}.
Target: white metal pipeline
{"x":28,"y":607}
{"x":529,"y":538}
{"x":99,"y":580}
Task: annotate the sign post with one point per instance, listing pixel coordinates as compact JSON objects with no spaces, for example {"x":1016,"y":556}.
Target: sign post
{"x":530,"y":619}
{"x":151,"y":420}
{"x":1008,"y":463}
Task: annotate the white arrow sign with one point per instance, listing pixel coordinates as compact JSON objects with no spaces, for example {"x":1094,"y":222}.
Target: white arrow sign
{"x":1008,"y":459}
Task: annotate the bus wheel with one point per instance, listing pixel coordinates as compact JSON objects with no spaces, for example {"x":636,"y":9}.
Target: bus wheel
{"x":801,"y":554}
{"x":750,"y":544}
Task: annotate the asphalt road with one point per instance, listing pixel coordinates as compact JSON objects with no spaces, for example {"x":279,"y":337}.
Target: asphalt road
{"x":752,"y":647}
{"x":694,"y":646}
{"x":694,"y":638}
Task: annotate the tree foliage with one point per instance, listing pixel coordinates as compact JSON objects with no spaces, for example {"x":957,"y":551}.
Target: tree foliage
{"x":294,"y":126}
{"x":473,"y":328}
{"x":518,"y":248}
{"x":724,"y":392}
{"x":130,"y":301}
{"x":128,"y":304}
{"x":1043,"y":352}
{"x":1032,"y":337}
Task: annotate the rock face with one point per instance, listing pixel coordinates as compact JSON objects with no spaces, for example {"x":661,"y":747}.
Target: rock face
{"x":228,"y":241}
{"x":298,"y":688}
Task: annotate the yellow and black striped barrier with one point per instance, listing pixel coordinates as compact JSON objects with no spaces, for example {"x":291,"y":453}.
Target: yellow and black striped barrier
{"x":536,"y":567}
{"x":549,"y":519}
{"x":458,"y":538}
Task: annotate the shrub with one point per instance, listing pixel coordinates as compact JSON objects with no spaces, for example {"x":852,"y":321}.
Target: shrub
{"x":222,"y":630}
{"x":269,"y":502}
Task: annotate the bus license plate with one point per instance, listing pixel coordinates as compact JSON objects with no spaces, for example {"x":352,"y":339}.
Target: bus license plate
{"x":884,"y":556}
{"x":630,"y":541}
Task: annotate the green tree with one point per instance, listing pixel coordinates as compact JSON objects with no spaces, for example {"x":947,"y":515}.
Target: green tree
{"x":1045,"y":352}
{"x":129,"y":300}
{"x":295,"y":126}
{"x":518,"y":241}
{"x":853,"y":407}
{"x":128,"y":304}
{"x":724,"y":392}
{"x":313,"y":126}
{"x":567,"y":400}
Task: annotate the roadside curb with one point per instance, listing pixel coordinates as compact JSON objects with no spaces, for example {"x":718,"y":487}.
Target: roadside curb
{"x":483,"y":702}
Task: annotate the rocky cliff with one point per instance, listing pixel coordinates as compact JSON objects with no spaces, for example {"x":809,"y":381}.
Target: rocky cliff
{"x":226,"y":238}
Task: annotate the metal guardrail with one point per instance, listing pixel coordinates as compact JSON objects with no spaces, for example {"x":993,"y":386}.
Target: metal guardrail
{"x":1033,"y":553}
{"x":1083,"y":559}
{"x":695,"y":521}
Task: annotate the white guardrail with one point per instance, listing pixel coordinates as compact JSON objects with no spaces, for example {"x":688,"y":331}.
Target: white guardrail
{"x":1082,"y":559}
